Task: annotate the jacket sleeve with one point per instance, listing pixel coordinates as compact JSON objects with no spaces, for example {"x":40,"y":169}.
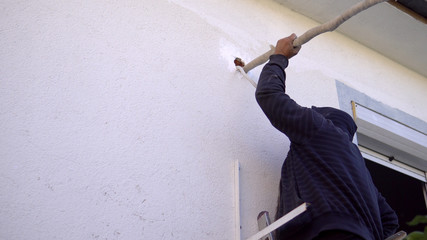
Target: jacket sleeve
{"x":388,"y":217}
{"x":298,"y":123}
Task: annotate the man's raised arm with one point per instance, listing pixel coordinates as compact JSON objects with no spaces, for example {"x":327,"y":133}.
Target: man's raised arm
{"x":298,"y":123}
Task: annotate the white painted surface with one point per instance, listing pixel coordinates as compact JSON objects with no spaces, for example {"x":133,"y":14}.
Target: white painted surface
{"x":123,"y":119}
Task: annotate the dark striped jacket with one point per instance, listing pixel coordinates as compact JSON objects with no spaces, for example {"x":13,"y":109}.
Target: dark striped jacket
{"x":323,"y":167}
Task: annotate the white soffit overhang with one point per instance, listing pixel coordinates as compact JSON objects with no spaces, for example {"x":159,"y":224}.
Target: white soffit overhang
{"x":390,"y":138}
{"x":383,"y":28}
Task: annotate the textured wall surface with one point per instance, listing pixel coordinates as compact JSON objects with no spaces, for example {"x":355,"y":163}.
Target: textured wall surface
{"x":123,"y":119}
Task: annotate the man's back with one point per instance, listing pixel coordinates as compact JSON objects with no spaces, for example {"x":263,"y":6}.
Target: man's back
{"x":328,"y":171}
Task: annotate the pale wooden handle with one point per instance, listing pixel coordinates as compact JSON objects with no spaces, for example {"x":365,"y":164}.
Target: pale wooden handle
{"x":326,"y":27}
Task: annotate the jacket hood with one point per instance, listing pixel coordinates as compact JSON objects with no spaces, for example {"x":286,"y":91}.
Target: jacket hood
{"x":339,"y":118}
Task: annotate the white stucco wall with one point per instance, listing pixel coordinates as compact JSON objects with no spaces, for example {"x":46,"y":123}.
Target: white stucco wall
{"x":123,"y":119}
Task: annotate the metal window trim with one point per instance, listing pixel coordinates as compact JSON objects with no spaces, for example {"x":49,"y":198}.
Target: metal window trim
{"x":407,"y":145}
{"x":394,"y":164}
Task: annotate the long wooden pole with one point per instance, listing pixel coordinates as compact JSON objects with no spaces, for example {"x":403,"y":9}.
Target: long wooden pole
{"x":326,"y":27}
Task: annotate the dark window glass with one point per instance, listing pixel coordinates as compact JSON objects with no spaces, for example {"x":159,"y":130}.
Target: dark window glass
{"x":403,"y":193}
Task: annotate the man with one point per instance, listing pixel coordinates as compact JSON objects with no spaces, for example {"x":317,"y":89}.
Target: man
{"x":323,"y":166}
